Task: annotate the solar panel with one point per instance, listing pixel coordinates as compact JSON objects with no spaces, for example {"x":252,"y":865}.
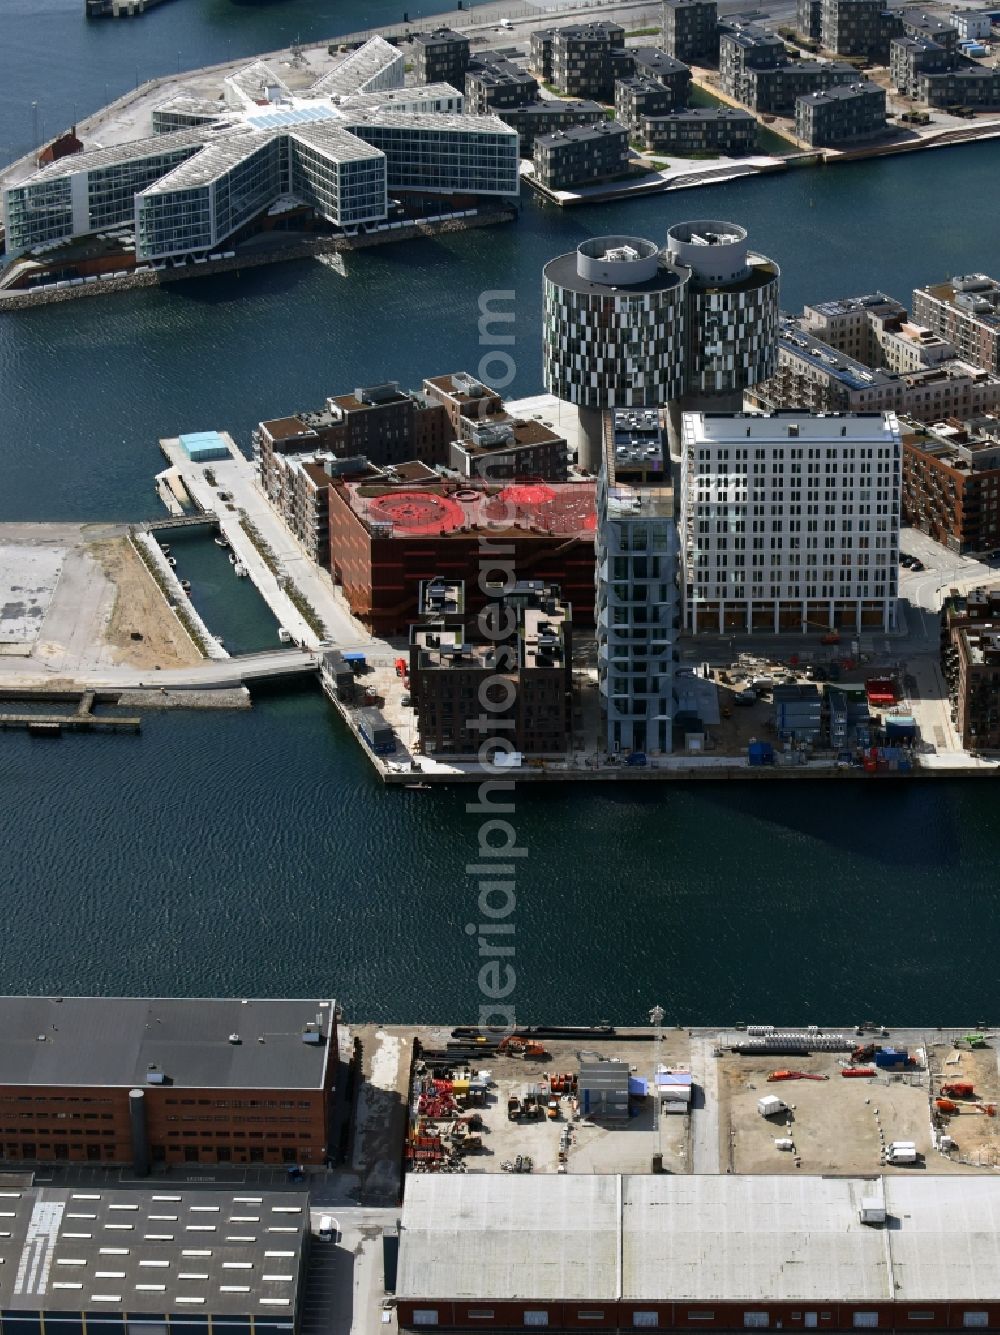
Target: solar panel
{"x":274,"y":120}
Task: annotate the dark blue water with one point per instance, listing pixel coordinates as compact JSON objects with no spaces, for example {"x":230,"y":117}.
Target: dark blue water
{"x":255,"y":853}
{"x":230,"y":606}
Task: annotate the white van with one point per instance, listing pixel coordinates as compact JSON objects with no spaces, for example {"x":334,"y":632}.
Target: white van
{"x":328,"y":1230}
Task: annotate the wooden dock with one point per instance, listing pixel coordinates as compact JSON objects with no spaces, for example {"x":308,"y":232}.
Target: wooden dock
{"x":82,"y":719}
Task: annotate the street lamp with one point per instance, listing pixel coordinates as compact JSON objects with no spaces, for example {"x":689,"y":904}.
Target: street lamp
{"x":656,"y":1020}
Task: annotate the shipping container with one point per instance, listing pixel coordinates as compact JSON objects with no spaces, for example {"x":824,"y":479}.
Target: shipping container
{"x":376,"y":731}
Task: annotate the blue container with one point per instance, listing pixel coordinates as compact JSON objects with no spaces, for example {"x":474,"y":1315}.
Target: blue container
{"x":890,"y":1057}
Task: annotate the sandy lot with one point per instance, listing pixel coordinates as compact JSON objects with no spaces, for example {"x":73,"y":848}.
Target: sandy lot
{"x":976,"y":1133}
{"x":139,"y":609}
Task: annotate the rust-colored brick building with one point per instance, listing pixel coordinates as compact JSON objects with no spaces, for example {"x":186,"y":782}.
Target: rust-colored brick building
{"x":951,"y":485}
{"x":385,"y":540}
{"x":526,"y":675}
{"x":125,"y":1080}
{"x":970,"y":663}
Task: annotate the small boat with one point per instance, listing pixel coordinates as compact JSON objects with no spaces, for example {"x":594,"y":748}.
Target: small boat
{"x":186,"y":585}
{"x":232,"y":558}
{"x":240,"y":569}
{"x":172,"y":562}
{"x":418,"y":787}
{"x":285,"y":636}
{"x":222,"y":542}
{"x":165,"y":548}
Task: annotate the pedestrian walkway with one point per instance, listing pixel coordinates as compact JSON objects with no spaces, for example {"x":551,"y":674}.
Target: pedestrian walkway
{"x":229,"y":489}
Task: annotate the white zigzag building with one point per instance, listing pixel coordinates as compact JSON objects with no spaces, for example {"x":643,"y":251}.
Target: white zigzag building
{"x":342,"y":147}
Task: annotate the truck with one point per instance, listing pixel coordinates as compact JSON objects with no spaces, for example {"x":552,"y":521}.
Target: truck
{"x":771,"y":1106}
{"x":901,"y":1152}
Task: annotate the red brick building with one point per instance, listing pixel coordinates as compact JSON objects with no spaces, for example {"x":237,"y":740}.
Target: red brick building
{"x":385,"y":540}
{"x":123,"y":1080}
{"x":450,"y":668}
{"x":970,"y":664}
{"x":951,"y":485}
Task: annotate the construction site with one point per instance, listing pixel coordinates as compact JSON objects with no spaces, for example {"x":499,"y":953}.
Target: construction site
{"x":852,"y":1104}
{"x":557,"y":1103}
{"x":752,"y":1100}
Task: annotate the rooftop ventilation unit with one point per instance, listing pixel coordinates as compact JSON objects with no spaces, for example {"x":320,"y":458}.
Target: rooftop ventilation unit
{"x":872,"y":1210}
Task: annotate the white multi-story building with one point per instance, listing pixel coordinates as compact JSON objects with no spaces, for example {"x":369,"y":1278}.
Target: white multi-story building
{"x":637,"y":596}
{"x":790,"y":523}
{"x":211,"y":169}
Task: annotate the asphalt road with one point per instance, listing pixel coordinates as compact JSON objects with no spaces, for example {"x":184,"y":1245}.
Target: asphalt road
{"x":344,"y":1289}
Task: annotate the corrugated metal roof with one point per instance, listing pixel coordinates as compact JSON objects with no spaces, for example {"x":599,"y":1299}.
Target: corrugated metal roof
{"x":700,"y":1238}
{"x":497,"y":1236}
{"x":705,"y":1238}
{"x":945,"y":1242}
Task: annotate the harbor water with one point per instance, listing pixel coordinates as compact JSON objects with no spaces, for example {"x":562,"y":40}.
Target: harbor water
{"x":254,"y":853}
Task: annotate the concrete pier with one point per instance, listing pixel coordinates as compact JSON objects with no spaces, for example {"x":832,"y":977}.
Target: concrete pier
{"x":119,"y":8}
{"x":82,"y":719}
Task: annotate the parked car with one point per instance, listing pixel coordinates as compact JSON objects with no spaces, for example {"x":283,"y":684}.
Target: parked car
{"x":917,"y":565}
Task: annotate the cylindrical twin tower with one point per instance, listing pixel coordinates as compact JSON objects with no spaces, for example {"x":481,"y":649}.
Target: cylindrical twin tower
{"x":627,"y":324}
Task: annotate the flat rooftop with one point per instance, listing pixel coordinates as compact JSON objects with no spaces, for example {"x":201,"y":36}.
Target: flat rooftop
{"x":700,"y":1237}
{"x":652,"y":58}
{"x":873,"y":301}
{"x":705,"y":114}
{"x":562,"y":271}
{"x":533,"y":1237}
{"x":781,"y":427}
{"x":95,"y":1041}
{"x":582,"y":134}
{"x":842,"y":93}
{"x":562,"y":509}
{"x":854,"y":374}
{"x":155,"y":1251}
